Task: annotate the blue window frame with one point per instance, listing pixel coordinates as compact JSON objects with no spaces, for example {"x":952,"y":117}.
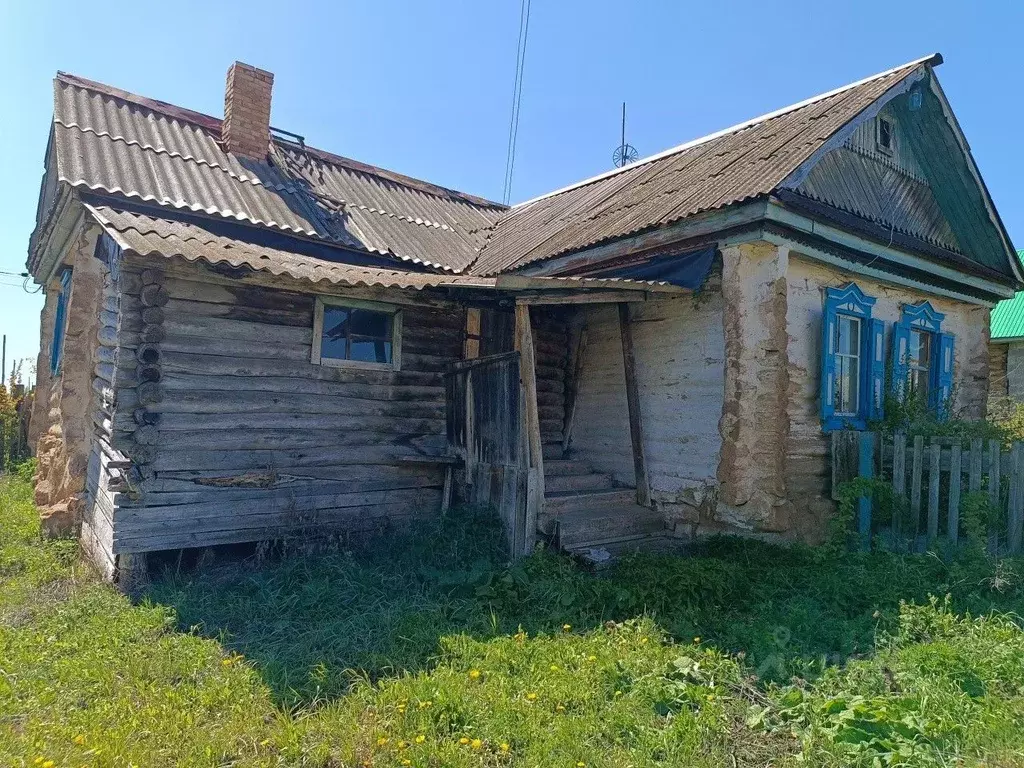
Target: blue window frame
{"x":60,"y":322}
{"x":922,"y":357}
{"x":852,"y":360}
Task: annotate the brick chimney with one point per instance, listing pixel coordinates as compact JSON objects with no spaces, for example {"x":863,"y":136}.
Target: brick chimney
{"x":246,"y":129}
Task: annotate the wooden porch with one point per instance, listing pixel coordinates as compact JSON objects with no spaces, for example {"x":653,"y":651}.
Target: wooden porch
{"x":510,"y":418}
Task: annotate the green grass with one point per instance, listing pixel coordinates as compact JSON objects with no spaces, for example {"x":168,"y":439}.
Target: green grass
{"x":431,"y":651}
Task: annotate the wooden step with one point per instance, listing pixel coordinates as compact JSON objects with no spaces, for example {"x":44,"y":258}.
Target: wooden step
{"x":593,"y":481}
{"x":574,"y":501}
{"x":601,"y":525}
{"x":558,"y":467}
{"x":552,"y":450}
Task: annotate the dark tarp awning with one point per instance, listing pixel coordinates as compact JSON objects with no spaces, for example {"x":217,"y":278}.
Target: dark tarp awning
{"x":687,"y":270}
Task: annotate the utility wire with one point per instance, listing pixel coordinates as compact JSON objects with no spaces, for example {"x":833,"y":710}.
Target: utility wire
{"x":517,"y":95}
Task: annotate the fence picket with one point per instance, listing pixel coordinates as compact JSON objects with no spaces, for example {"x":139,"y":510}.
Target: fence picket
{"x":953,"y":521}
{"x":974,"y":481}
{"x":994,"y":472}
{"x":933,"y":491}
{"x":1016,"y":509}
{"x":899,"y":477}
{"x":865,"y":467}
{"x":917,"y":466}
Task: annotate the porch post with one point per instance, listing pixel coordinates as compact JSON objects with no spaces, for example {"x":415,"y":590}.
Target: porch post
{"x":636,"y":427}
{"x":528,"y":376}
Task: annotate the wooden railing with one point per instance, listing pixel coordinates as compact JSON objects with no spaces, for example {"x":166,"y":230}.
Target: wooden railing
{"x":484,"y":412}
{"x":929,"y":479}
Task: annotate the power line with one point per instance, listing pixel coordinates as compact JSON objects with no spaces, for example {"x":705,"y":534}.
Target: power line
{"x":517,"y":95}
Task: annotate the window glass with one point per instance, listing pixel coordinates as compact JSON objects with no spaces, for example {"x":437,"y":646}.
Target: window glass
{"x":357,"y":334}
{"x":847,"y":382}
{"x":919,"y":362}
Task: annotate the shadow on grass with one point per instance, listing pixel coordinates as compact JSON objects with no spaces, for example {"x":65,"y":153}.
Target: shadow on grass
{"x":313,"y":624}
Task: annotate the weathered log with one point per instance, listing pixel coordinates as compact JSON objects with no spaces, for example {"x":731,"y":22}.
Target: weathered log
{"x":144,"y":417}
{"x":148,"y":354}
{"x":152,"y":334}
{"x":147,"y":435}
{"x":148,"y":373}
{"x":153,"y":296}
{"x":151,"y":277}
{"x":152,"y":315}
{"x":148,"y":393}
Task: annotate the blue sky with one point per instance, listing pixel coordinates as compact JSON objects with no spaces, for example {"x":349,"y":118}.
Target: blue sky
{"x":425,"y":87}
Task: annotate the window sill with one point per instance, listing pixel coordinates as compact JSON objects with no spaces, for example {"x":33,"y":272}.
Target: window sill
{"x":332,"y":362}
{"x":845,"y":422}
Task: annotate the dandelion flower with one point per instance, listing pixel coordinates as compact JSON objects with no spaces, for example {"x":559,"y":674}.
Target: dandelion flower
{"x":531,"y":697}
{"x":504,"y":746}
{"x":591,"y":658}
{"x":567,"y":627}
{"x":474,"y":674}
{"x":382,"y":741}
{"x":420,"y":738}
{"x":696,"y":641}
{"x":476,"y":744}
{"x":581,"y":764}
{"x":48,"y":764}
{"x":402,"y":745}
{"x":79,"y":739}
{"x":463,"y":740}
{"x":554,"y":667}
{"x":407,"y":761}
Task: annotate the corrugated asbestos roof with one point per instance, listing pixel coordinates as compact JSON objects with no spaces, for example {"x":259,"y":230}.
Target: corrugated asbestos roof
{"x":195,"y":239}
{"x":111,"y":142}
{"x":729,"y":167}
{"x":1008,"y":315}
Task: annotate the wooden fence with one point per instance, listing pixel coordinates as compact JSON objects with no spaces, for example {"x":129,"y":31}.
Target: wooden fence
{"x":928,"y":481}
{"x":484,"y":407}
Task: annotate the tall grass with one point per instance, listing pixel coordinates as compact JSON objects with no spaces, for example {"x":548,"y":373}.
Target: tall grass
{"x":431,"y":650}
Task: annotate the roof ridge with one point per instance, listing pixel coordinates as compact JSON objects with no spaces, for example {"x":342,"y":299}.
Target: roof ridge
{"x":933,"y":59}
{"x":213,"y":124}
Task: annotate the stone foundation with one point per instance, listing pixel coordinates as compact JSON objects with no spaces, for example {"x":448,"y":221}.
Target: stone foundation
{"x":62,"y":415}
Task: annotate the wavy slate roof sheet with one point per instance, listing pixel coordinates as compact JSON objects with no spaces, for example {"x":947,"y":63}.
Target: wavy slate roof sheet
{"x":728,"y":167}
{"x":1008,"y":315}
{"x":108,"y":141}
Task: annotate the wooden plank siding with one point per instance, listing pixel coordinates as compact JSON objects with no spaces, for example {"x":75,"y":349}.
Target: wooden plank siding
{"x":246,"y":440}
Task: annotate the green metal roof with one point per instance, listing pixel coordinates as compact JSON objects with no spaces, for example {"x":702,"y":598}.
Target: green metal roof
{"x":1008,"y":315}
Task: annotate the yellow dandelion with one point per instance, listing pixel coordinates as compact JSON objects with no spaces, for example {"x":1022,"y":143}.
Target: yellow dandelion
{"x":402,"y":745}
{"x":531,"y":697}
{"x":581,"y":764}
{"x":591,"y":658}
{"x":407,"y":761}
{"x":48,"y":764}
{"x":463,"y":740}
{"x":382,"y":741}
{"x":554,"y":667}
{"x":643,"y":640}
{"x":696,"y":641}
{"x":567,"y":627}
{"x":39,"y":760}
{"x":474,"y":674}
{"x":476,"y":744}
{"x":225,"y":662}
{"x":420,"y":738}
{"x":504,"y":746}
{"x":79,"y":739}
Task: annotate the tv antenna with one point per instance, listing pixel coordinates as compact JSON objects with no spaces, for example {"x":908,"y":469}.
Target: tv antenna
{"x":624,"y":153}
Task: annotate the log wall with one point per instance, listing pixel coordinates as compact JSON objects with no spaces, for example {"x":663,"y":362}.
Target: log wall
{"x":239,"y":437}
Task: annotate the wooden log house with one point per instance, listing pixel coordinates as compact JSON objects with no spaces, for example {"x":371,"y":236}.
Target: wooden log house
{"x":255,"y":340}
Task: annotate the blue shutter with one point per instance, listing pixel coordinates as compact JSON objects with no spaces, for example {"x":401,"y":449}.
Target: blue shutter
{"x":900,"y":347}
{"x":943,"y":368}
{"x":876,"y":369}
{"x":828,"y":365}
{"x":60,"y":323}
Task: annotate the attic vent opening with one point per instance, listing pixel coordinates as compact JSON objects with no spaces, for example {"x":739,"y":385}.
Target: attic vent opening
{"x":885,"y":135}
